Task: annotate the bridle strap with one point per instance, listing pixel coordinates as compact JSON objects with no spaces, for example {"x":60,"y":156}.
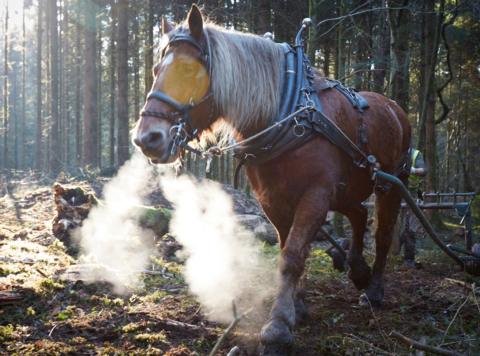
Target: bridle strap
{"x":186,"y":37}
{"x":161,"y":96}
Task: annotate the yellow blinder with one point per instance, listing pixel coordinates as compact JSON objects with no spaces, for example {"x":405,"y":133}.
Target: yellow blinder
{"x":186,"y":80}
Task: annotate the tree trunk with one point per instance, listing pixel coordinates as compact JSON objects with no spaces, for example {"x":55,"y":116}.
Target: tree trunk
{"x":381,"y":50}
{"x":5,"y":93}
{"x":90,"y":114}
{"x":112,"y":65}
{"x":262,"y":17}
{"x":136,"y":65}
{"x":149,"y":47}
{"x":55,"y":149}
{"x":400,"y":61}
{"x":38,"y":128}
{"x":341,"y":59}
{"x":427,"y":137}
{"x":99,"y":97}
{"x":61,"y":102}
{"x":14,"y":110}
{"x":78,"y":121}
{"x":362,"y":44}
{"x":22,"y":115}
{"x":122,"y":77}
{"x":326,"y":61}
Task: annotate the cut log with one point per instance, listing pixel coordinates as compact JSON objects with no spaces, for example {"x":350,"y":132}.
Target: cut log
{"x":73,"y":205}
{"x":7,"y":297}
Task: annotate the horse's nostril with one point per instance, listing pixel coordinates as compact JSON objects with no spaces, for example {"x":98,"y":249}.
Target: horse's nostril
{"x":154,"y":137}
{"x":150,"y":140}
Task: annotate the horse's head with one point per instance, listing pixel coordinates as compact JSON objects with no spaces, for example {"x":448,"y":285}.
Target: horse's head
{"x":179,"y":105}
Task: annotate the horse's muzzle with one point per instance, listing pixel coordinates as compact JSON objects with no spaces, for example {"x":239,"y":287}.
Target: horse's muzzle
{"x":150,"y":141}
{"x":155,"y":145}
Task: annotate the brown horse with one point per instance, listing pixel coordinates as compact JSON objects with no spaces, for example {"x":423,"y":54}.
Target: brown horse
{"x":215,"y":75}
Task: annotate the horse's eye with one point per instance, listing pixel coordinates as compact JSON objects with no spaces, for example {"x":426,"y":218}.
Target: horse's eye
{"x":155,"y":69}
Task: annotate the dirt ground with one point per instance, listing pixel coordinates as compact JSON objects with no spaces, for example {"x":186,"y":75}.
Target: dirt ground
{"x":40,"y":313}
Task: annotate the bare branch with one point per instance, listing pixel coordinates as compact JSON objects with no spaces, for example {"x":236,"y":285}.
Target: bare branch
{"x":229,"y":329}
{"x":419,"y":346}
{"x":445,"y":108}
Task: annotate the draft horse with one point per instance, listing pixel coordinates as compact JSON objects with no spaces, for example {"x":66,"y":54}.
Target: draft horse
{"x":208,"y":75}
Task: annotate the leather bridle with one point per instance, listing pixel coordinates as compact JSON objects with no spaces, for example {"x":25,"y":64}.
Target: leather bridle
{"x":183,"y":129}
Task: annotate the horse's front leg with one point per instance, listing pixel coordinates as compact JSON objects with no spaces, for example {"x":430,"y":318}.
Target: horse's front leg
{"x":276,"y":336}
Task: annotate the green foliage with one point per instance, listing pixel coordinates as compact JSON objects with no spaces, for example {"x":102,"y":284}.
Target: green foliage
{"x":49,"y":286}
{"x":319,"y":264}
{"x":6,"y":332}
{"x":152,"y":338}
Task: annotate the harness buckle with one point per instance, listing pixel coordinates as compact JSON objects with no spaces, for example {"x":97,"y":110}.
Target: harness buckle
{"x":310,"y":104}
{"x":298,"y":128}
{"x":208,"y":166}
{"x":179,"y":136}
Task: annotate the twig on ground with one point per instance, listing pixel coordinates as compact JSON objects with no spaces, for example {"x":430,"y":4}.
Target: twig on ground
{"x":377,"y":323}
{"x":454,"y":317}
{"x":463,"y":284}
{"x":41,"y":272}
{"x":229,"y":329}
{"x":419,"y":346}
{"x":369,"y":344}
{"x":173,"y":323}
{"x":474,"y":290}
{"x":51,"y":330}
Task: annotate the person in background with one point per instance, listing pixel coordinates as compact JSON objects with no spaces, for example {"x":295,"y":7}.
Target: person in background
{"x":410,"y":224}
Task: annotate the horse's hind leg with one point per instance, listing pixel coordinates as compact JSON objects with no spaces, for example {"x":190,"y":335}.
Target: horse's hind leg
{"x":359,"y":270}
{"x":387,"y":207}
{"x":276,"y":336}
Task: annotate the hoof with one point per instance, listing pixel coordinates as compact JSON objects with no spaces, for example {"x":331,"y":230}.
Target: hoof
{"x":275,"y":350}
{"x":373,"y":297}
{"x":360,"y":274}
{"x":301,"y":311}
{"x":276,"y":339}
{"x":339,"y":262}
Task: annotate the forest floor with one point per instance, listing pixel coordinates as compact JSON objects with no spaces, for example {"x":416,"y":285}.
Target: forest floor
{"x":50,"y":315}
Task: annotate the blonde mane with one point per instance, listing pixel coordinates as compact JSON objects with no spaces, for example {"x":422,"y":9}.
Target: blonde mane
{"x":245,"y":77}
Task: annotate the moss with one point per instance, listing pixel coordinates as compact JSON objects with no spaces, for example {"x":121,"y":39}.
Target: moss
{"x":30,"y":311}
{"x":5,"y":272}
{"x":130,"y":328}
{"x":49,"y":286}
{"x":155,"y":297}
{"x":152,"y":338}
{"x":320,"y":264}
{"x":6,"y":332}
{"x":67,"y":313}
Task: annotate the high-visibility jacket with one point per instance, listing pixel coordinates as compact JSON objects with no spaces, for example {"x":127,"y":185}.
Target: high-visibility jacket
{"x":414,"y":181}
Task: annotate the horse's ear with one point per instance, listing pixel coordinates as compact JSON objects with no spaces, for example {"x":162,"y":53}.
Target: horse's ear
{"x":195,"y":22}
{"x":166,"y":26}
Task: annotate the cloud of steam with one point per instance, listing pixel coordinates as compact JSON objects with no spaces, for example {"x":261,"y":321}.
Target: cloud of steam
{"x":111,"y":240}
{"x":224,"y":261}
